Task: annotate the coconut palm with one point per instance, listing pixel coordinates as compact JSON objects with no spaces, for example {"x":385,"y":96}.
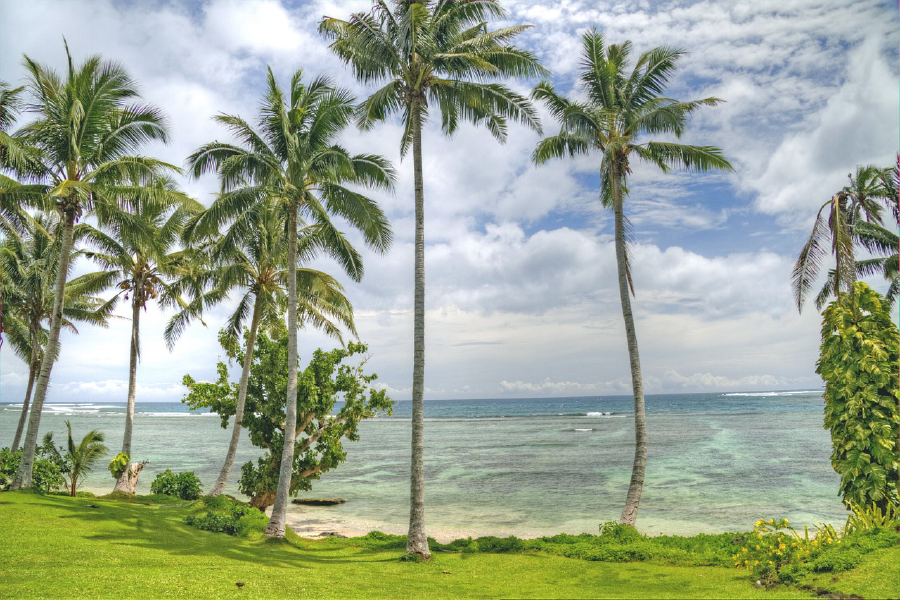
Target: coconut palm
{"x":141,"y":260}
{"x":851,"y":216}
{"x":78,"y":460}
{"x":293,"y":161}
{"x":621,"y":108}
{"x":27,"y":266}
{"x":17,"y":158}
{"x":432,"y":55}
{"x":252,"y":256}
{"x":87,"y":131}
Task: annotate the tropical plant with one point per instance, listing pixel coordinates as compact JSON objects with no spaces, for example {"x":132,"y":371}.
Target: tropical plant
{"x":432,"y":54}
{"x":87,"y":131}
{"x":858,"y":361}
{"x":252,"y":256}
{"x":622,"y":107}
{"x":78,"y":460}
{"x":181,"y":485}
{"x":18,"y":158}
{"x":295,"y":162}
{"x":853,"y":217}
{"x":28,"y":268}
{"x":319,"y":432}
{"x":141,"y":260}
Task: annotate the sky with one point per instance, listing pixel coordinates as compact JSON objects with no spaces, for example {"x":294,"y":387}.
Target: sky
{"x":521,"y":287}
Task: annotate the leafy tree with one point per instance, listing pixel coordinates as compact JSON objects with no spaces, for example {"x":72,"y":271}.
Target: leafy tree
{"x":87,"y":131}
{"x":318,"y":434}
{"x":859,"y":361}
{"x":432,"y":55}
{"x":28,"y":267}
{"x":620,"y":108}
{"x":296,"y":162}
{"x":140,"y":259}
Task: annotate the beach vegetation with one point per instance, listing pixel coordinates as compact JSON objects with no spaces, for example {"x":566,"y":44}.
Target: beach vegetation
{"x":222,"y":514}
{"x":184,"y":485}
{"x":434,"y":56}
{"x":330,"y":376}
{"x":76,"y":460}
{"x":87,"y":130}
{"x":118,"y":464}
{"x":621,"y":108}
{"x":47,"y":473}
{"x":294,"y":159}
{"x":858,"y":362}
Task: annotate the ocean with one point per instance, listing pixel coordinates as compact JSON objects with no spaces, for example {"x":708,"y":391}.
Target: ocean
{"x":526,"y":467}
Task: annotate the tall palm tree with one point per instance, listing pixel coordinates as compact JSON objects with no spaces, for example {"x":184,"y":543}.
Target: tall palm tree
{"x":294,"y":161}
{"x":252,"y":256}
{"x":28,"y":268}
{"x":141,"y":260}
{"x":621,"y":108}
{"x":17,"y":158}
{"x":87,"y":131}
{"x":432,"y":54}
{"x":851,"y":216}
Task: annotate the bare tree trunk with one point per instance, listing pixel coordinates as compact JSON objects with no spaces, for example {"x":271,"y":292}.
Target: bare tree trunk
{"x":276,"y":525}
{"x":132,"y":371}
{"x":417,"y":540}
{"x":241,"y":401}
{"x":633,"y":500}
{"x":26,"y":465}
{"x":32,"y":371}
{"x":127,"y":481}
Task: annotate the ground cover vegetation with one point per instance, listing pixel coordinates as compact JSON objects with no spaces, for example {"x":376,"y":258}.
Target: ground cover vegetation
{"x":281,"y":185}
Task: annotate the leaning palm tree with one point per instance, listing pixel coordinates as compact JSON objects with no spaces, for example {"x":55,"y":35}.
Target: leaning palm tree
{"x":432,"y":54}
{"x":140,"y":260}
{"x":851,"y":216}
{"x":622,"y":107}
{"x":28,"y":268}
{"x":87,"y":131}
{"x":293,"y":161}
{"x":252,"y":256}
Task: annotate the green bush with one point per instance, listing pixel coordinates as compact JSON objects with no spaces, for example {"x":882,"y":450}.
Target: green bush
{"x":498,"y":545}
{"x":222,"y":514}
{"x":620,"y":533}
{"x":182,"y":485}
{"x":46,"y":476}
{"x":837,"y":559}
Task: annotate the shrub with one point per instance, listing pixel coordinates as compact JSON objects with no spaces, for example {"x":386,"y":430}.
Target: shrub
{"x":775,"y":544}
{"x":837,"y":559}
{"x":222,"y":514}
{"x":620,"y":532}
{"x":498,"y":545}
{"x":9,"y":464}
{"x":118,"y":465}
{"x":182,"y":485}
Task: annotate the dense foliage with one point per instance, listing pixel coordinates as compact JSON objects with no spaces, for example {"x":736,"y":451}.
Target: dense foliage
{"x":859,"y":361}
{"x":222,"y":514}
{"x":181,"y":485}
{"x":47,"y":475}
{"x":320,"y":428}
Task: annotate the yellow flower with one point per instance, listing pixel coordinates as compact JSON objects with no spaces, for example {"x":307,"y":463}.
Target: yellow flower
{"x":745,"y":550}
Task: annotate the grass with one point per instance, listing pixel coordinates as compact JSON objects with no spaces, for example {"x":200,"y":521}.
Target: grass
{"x":57,"y":546}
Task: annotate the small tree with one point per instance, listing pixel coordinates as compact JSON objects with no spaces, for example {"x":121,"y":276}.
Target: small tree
{"x":319,"y":433}
{"x":859,"y":358}
{"x":77,"y":461}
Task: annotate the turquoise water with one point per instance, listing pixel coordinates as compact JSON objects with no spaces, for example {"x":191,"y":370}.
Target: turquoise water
{"x":717,"y":462}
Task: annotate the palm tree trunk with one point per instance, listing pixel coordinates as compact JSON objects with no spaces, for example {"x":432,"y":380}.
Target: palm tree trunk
{"x":32,"y":371}
{"x":633,"y":500}
{"x":242,"y":398}
{"x":132,"y":371}
{"x":417,"y":540}
{"x":276,"y":525}
{"x":26,"y":464}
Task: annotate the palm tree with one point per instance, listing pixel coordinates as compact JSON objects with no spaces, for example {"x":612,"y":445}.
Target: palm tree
{"x":853,"y":216}
{"x":27,"y":265}
{"x":78,"y":460}
{"x":141,"y":261}
{"x":294,"y":162}
{"x":18,"y":158}
{"x":432,"y":54}
{"x":620,"y":108}
{"x":252,"y":256}
{"x":87,"y":132}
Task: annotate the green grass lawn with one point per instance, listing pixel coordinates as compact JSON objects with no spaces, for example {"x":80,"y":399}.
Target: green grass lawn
{"x":55,"y":546}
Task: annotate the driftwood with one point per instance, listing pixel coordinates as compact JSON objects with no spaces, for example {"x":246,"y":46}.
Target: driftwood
{"x":318,"y":501}
{"x":127,"y":482}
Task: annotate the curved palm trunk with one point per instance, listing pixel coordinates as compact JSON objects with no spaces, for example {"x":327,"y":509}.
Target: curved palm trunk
{"x":241,"y":401}
{"x":26,"y":465}
{"x":132,"y":373}
{"x":417,"y":540}
{"x":276,"y":525}
{"x":32,"y":372}
{"x":633,"y":500}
